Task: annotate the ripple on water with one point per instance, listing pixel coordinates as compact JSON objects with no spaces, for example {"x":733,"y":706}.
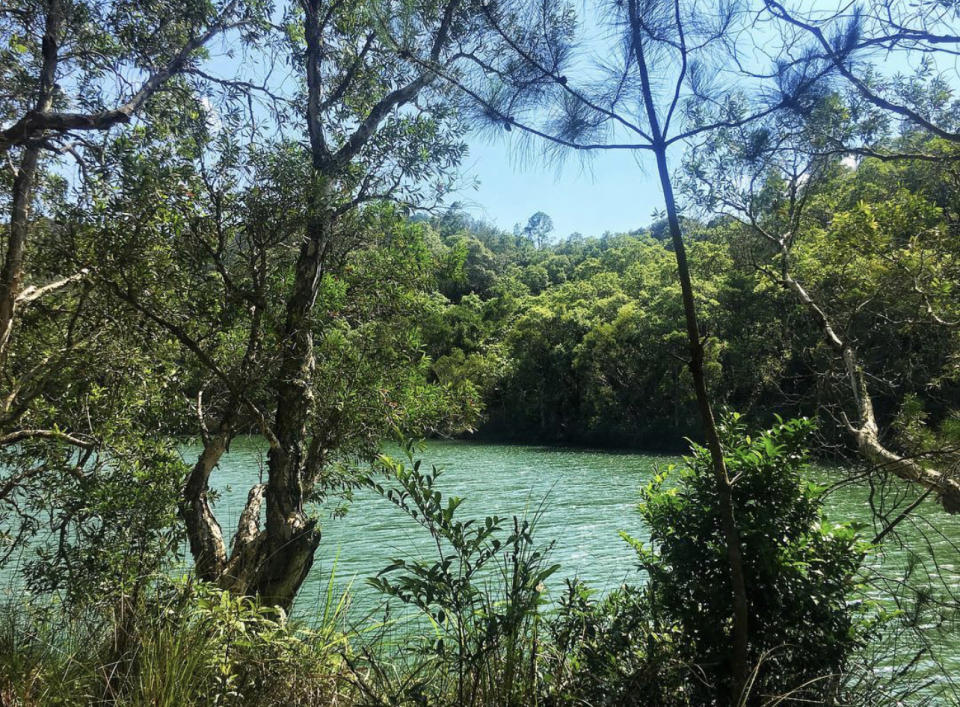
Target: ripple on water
{"x":585,"y":499}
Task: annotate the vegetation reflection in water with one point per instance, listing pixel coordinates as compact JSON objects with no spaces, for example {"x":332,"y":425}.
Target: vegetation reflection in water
{"x":586,"y":498}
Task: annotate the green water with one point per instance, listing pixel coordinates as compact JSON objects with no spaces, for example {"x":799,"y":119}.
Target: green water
{"x":587,"y":497}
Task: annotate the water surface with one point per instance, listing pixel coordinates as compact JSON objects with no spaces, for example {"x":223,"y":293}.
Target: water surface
{"x":584,"y":498}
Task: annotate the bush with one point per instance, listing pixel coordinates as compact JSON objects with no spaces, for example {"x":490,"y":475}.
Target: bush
{"x":190,"y":644}
{"x":612,"y":652}
{"x":668,"y":642}
{"x":800,"y":570}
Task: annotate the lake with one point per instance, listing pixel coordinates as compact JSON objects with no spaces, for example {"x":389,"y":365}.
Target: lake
{"x":585,"y":498}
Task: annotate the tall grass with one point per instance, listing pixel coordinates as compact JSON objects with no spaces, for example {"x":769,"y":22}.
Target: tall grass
{"x":188,"y":644}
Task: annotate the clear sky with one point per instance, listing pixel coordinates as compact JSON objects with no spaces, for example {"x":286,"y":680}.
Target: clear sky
{"x":608,"y":190}
{"x":611,"y":192}
{"x":616,"y":190}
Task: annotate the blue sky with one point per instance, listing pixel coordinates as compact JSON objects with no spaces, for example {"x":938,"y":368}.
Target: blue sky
{"x":615,"y":190}
{"x":606,"y":191}
{"x":611,"y":192}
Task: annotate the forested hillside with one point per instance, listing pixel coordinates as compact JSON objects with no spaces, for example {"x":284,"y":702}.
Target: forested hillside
{"x":581,"y":341}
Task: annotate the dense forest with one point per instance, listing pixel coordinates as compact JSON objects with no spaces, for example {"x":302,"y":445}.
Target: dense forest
{"x":227,"y":220}
{"x":581,"y":341}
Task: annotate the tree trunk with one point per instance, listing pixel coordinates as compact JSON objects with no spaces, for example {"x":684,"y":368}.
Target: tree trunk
{"x":291,"y":537}
{"x":203,"y":530}
{"x":731,"y":534}
{"x":11,"y":275}
{"x":739,"y":661}
{"x":273,"y":562}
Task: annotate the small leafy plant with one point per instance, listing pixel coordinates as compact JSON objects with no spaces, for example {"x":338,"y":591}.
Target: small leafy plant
{"x":482,"y":594}
{"x":802,"y":571}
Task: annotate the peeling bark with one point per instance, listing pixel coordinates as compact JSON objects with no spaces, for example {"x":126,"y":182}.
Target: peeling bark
{"x":203,"y":530}
{"x":248,"y":527}
{"x":239,"y":571}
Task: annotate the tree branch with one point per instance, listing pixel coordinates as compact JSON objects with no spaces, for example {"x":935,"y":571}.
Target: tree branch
{"x":779,"y":11}
{"x":36,"y":122}
{"x":21,"y":435}
{"x":31,"y":293}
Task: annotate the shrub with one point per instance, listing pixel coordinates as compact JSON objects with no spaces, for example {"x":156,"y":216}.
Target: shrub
{"x":189,"y":644}
{"x":800,"y":570}
{"x":481,"y":595}
{"x":668,"y":642}
{"x":611,"y":652}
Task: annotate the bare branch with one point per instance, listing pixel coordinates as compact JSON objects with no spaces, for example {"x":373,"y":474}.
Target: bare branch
{"x":27,"y":434}
{"x":31,"y":293}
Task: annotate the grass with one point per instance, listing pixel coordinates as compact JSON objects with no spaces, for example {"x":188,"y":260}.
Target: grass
{"x":188,"y":644}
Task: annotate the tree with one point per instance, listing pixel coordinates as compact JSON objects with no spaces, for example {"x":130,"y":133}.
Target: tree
{"x":538,"y":228}
{"x":72,"y":444}
{"x":280,"y":247}
{"x":241,"y":232}
{"x":48,"y":117}
{"x":770,"y":178}
{"x":274,"y":562}
{"x":664,"y":60}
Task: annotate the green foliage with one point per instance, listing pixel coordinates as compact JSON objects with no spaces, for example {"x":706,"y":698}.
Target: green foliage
{"x":801,"y":570}
{"x":481,"y":595}
{"x":600,"y":318}
{"x":109,"y":525}
{"x":584,"y":342}
{"x":179,"y":239}
{"x":181,"y":644}
{"x":612,"y":651}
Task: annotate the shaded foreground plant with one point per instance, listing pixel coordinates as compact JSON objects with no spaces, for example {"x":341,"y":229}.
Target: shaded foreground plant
{"x":478,"y":601}
{"x":668,"y":642}
{"x":802,"y":570}
{"x":613,"y":651}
